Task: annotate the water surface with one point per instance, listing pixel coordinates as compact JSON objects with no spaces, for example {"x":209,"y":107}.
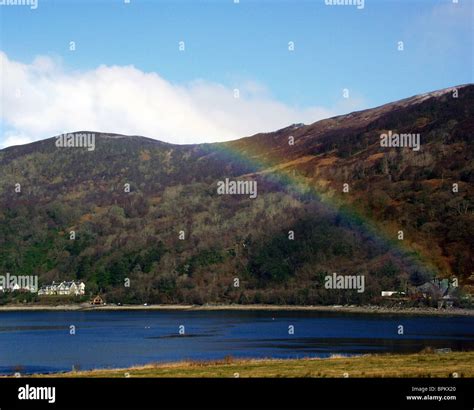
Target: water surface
{"x":41,"y":341}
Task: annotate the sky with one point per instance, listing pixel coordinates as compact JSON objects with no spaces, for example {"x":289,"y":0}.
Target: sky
{"x":187,"y":71}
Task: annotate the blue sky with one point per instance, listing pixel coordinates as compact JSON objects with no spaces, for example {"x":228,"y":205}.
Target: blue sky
{"x":227,"y":46}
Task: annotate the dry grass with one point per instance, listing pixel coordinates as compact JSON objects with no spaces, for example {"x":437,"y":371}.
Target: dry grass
{"x":425,"y":364}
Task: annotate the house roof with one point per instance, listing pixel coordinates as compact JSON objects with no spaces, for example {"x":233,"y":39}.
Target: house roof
{"x":428,"y":287}
{"x":63,"y":283}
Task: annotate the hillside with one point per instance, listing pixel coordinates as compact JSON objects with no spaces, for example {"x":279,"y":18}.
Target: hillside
{"x":179,"y":241}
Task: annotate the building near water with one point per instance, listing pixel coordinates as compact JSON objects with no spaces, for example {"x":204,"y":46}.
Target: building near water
{"x":97,"y":300}
{"x":70,"y":288}
{"x":441,"y":291}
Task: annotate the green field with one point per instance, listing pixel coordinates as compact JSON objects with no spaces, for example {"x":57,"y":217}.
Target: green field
{"x":429,"y":364}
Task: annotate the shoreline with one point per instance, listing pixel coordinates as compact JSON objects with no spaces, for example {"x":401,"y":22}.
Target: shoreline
{"x":289,"y":308}
{"x":423,"y":364}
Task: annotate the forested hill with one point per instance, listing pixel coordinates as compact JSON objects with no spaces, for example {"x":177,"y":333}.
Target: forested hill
{"x":149,"y":211}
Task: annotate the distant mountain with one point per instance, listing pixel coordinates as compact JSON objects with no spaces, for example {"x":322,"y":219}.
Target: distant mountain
{"x":405,"y":215}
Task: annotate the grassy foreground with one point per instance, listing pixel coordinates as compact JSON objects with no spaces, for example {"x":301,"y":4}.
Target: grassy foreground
{"x":461,"y":364}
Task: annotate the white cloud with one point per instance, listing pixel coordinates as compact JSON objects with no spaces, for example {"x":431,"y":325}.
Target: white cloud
{"x":43,"y":99}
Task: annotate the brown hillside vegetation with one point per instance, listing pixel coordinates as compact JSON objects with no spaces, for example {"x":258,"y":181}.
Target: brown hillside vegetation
{"x":136,"y":234}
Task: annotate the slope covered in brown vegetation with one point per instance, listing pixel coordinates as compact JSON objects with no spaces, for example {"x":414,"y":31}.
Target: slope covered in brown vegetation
{"x":136,"y":234}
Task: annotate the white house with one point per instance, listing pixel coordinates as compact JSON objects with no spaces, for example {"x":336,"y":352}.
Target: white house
{"x":11,"y":288}
{"x":70,"y":288}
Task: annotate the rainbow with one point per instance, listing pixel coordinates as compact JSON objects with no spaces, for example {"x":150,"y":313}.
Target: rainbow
{"x":293,"y":182}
